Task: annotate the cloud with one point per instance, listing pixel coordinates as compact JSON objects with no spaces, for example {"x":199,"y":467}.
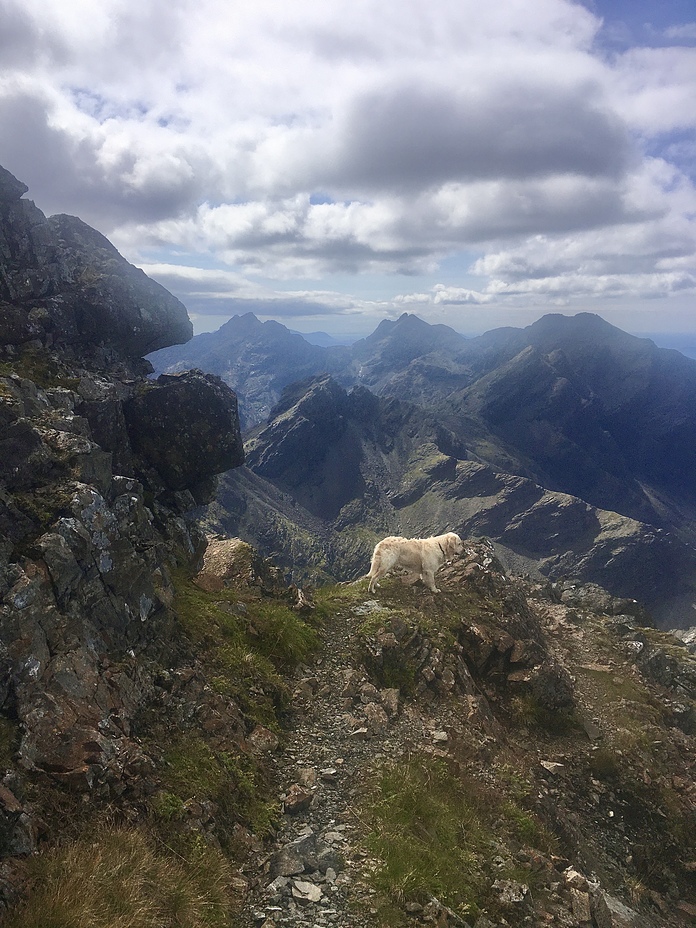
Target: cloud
{"x":654,"y":88}
{"x":327,"y":142}
{"x":21,"y":36}
{"x":107,"y":178}
{"x":686,"y":31}
{"x":294,"y":237}
{"x":414,"y":137}
{"x":458,"y":296}
{"x":216,"y":292}
{"x":576,"y":285}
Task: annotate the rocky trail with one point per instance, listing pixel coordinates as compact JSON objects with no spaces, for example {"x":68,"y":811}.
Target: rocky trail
{"x":344,"y":728}
{"x":313,"y":876}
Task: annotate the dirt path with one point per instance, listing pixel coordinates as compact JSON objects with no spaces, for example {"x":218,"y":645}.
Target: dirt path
{"x":314,"y":875}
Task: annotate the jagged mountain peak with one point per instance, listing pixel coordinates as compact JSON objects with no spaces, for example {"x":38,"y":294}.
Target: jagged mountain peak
{"x":249,"y":325}
{"x":409,"y":330}
{"x":578,"y":323}
{"x":586,"y":333}
{"x":260,"y":358}
{"x":302,"y":394}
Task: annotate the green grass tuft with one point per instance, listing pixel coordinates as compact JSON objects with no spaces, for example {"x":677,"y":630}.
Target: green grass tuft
{"x":527,"y":711}
{"x":248,"y":643}
{"x":431,"y":831}
{"x":193,"y":770}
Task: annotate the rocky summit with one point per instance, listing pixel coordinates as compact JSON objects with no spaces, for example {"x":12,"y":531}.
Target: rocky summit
{"x":190,"y":736}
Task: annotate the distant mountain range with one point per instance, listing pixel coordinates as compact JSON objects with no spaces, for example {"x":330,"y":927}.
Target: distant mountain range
{"x":257,"y":359}
{"x":531,"y":436}
{"x":323,"y":338}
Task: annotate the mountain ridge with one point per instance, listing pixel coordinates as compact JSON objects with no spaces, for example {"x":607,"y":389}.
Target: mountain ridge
{"x":571,"y":404}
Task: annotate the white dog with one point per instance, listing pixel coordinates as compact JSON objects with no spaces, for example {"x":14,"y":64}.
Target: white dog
{"x":422,"y":557}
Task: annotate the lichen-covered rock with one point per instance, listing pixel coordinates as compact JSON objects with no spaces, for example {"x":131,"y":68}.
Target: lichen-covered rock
{"x":24,"y":458}
{"x":232,"y":562}
{"x":73,"y":615}
{"x":108,"y":428}
{"x":186,"y":427}
{"x":84,"y":579}
{"x":610,"y":912}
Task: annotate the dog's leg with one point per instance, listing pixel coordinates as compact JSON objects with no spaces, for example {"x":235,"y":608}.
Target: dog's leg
{"x":375,"y":571}
{"x":429,"y":580}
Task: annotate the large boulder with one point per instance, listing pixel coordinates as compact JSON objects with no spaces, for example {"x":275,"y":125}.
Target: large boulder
{"x":186,"y":427}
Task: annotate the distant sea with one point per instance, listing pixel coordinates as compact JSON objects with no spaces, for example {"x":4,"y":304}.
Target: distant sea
{"x":684,"y":343}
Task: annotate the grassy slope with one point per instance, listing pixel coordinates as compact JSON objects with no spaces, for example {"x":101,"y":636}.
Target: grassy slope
{"x":442,"y":825}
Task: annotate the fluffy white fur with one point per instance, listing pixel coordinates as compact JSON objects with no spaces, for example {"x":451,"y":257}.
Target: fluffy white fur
{"x":422,"y":557}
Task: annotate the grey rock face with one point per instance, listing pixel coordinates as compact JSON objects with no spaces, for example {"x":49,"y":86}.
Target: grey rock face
{"x":610,"y":912}
{"x":64,"y":283}
{"x":84,"y":561}
{"x":186,"y":427}
{"x":75,"y":612}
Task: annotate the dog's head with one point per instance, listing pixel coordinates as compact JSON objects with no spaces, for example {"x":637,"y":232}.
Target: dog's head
{"x":453,"y":544}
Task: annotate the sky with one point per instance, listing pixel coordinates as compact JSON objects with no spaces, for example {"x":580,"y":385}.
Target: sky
{"x":331,"y":163}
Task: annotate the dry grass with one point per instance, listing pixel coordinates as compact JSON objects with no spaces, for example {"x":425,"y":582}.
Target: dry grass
{"x":120,"y":878}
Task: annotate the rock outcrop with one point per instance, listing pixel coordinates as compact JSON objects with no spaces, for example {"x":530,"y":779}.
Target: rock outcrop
{"x":98,"y":467}
{"x":64,"y":284}
{"x":185,"y":426}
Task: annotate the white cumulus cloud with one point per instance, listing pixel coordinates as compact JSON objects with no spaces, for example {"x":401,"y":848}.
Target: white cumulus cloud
{"x":332,"y":146}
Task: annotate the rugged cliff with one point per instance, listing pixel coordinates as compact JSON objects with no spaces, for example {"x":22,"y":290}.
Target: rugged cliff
{"x":97,"y":468}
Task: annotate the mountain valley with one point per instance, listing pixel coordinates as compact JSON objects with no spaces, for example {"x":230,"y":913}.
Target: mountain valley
{"x":571,"y":444}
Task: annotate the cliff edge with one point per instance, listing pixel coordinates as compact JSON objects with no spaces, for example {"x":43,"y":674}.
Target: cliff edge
{"x":98,"y":467}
